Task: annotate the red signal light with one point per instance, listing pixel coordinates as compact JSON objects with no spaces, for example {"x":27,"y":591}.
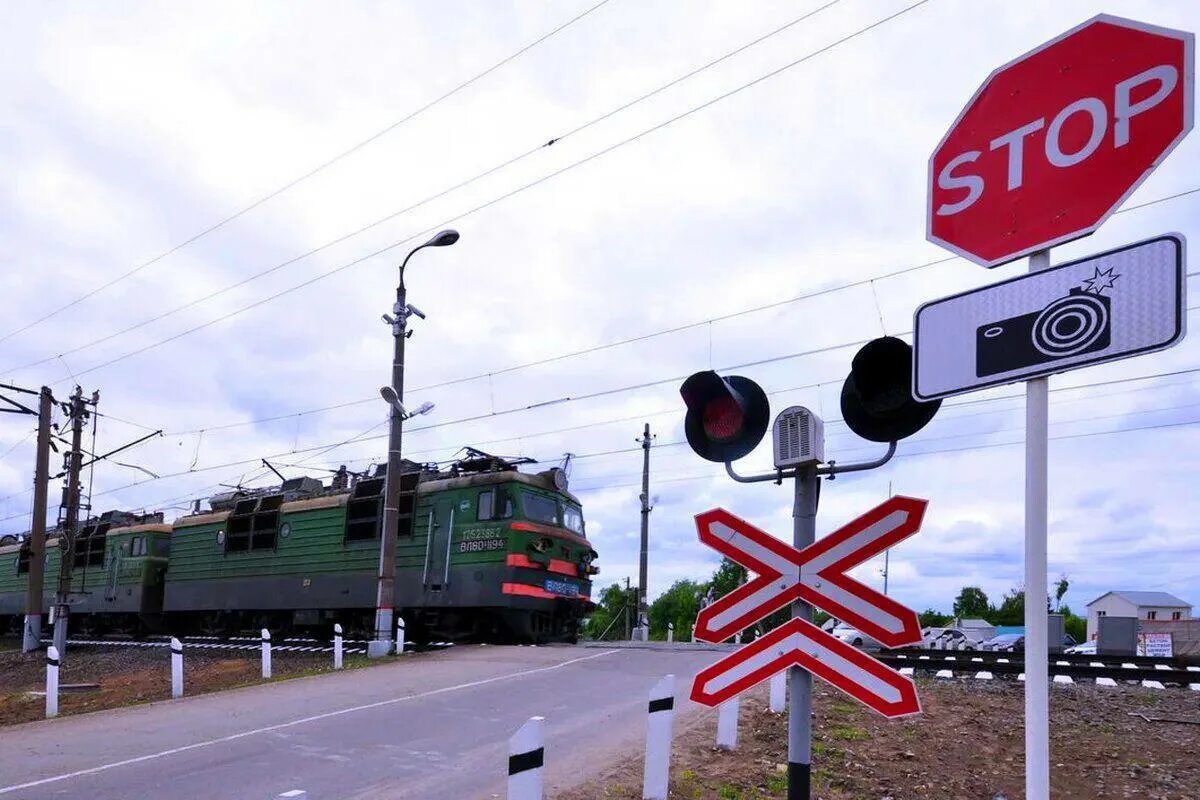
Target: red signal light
{"x":726,"y":416}
{"x":723,"y":418}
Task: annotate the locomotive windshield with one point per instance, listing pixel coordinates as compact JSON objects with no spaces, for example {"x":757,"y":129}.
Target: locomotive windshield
{"x":540,"y":509}
{"x":573,"y":518}
{"x":552,"y":511}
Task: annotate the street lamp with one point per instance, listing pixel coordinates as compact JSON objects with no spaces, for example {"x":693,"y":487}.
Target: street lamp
{"x":394,"y":395}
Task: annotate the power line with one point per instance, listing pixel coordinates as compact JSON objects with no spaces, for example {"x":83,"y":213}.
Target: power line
{"x":18,"y":443}
{"x":324,"y":448}
{"x":362,"y":437}
{"x":365,"y":437}
{"x":511,"y":193}
{"x":418,"y":204}
{"x":711,"y":475}
{"x":302,"y":178}
{"x":629,"y":340}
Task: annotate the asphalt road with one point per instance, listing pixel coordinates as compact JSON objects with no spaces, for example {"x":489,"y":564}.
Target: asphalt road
{"x":429,"y":726}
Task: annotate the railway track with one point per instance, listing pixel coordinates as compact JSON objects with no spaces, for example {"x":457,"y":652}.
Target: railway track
{"x":247,"y":644}
{"x":1155,"y":673}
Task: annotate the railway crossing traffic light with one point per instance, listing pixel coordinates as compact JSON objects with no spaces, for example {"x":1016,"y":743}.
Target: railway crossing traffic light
{"x":877,"y":400}
{"x":726,"y":417}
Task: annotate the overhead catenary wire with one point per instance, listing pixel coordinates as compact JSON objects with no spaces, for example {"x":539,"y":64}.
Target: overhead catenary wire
{"x":813,"y":385}
{"x":634,"y":339}
{"x":364,"y":437}
{"x":919,"y":454}
{"x":500,"y":198}
{"x":426,"y":200}
{"x":309,"y":174}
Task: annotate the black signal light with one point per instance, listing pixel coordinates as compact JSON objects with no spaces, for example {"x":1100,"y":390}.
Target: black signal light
{"x":726,"y":417}
{"x":877,"y":400}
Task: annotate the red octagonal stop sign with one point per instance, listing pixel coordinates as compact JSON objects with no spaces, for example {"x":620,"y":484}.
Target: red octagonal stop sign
{"x":1053,"y":142}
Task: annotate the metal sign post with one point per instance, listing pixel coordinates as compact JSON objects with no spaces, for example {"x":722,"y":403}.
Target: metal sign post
{"x":1037,"y":656}
{"x":1050,"y":145}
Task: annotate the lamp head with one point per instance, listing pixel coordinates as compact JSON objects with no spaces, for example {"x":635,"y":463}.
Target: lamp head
{"x":443,"y":238}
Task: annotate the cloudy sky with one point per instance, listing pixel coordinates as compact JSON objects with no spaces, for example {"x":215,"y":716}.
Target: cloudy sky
{"x":131,"y":128}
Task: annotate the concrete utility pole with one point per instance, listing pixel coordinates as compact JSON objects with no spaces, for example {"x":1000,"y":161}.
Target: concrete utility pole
{"x":628,"y":597}
{"x":643,"y":609}
{"x":385,"y":598}
{"x":32,"y":639}
{"x":70,"y":525}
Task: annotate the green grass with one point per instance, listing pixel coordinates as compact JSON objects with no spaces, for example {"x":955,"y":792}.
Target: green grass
{"x":850,"y":733}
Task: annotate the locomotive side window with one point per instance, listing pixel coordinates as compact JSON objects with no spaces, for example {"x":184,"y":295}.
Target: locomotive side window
{"x":364,"y":510}
{"x":137,"y":546}
{"x":237,"y":534}
{"x":23,"y":559}
{"x":89,"y":546}
{"x":266,"y":523}
{"x":487,"y":506}
{"x":541,"y":509}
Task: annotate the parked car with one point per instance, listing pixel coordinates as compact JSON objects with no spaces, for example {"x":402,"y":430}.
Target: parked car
{"x":1082,"y":649}
{"x":1005,"y":643}
{"x":856,"y":638}
{"x":948,"y":639}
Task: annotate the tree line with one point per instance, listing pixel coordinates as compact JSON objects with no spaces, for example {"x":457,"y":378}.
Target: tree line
{"x":616,"y":608}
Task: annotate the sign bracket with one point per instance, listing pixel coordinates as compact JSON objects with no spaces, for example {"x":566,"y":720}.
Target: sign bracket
{"x":831,"y":469}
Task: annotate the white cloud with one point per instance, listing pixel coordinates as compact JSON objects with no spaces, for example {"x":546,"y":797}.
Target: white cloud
{"x":135,"y":129}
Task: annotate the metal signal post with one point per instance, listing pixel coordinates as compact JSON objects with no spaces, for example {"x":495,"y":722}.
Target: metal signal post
{"x":804,"y":533}
{"x":726,"y":419}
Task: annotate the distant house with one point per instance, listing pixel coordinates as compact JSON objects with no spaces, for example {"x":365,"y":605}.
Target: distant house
{"x":1158,"y":606}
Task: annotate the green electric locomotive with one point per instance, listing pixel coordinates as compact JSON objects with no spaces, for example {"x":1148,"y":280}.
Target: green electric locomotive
{"x":118,"y":565}
{"x":482,"y":551}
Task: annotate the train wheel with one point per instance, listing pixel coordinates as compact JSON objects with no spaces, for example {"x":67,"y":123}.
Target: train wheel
{"x":213,"y":624}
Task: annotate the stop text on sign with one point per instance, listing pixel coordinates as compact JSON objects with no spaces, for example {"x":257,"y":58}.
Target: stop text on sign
{"x":1089,"y":127}
{"x":1053,"y":142}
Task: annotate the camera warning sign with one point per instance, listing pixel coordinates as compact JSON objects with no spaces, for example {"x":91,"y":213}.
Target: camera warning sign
{"x":1113,"y":305}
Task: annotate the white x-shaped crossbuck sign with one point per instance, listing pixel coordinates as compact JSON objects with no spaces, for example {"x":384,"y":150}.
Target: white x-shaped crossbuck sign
{"x":816,"y":574}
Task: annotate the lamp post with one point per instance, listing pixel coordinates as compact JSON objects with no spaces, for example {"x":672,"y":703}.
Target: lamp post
{"x":385,"y":597}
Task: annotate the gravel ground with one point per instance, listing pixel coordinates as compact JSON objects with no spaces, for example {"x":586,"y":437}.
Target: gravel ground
{"x":968,"y":744}
{"x":129,"y":675}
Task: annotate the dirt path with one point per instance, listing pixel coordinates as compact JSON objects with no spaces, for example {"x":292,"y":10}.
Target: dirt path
{"x":967,"y":745}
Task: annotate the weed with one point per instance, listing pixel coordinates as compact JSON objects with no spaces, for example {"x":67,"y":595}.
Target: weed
{"x":850,"y":733}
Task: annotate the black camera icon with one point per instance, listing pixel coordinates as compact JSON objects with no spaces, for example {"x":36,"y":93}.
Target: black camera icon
{"x":1079,"y":323}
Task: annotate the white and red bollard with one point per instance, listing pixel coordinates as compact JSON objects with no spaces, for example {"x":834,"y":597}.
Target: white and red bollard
{"x":337,"y":646}
{"x":526,"y":756}
{"x":778,"y":692}
{"x":51,"y":682}
{"x":266,"y":653}
{"x":176,"y":668}
{"x":659,"y":719}
{"x":727,"y":724}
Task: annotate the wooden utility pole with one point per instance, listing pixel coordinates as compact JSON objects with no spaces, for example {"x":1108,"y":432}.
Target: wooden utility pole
{"x":643,"y":624}
{"x":37,"y":526}
{"x":70,"y":523}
